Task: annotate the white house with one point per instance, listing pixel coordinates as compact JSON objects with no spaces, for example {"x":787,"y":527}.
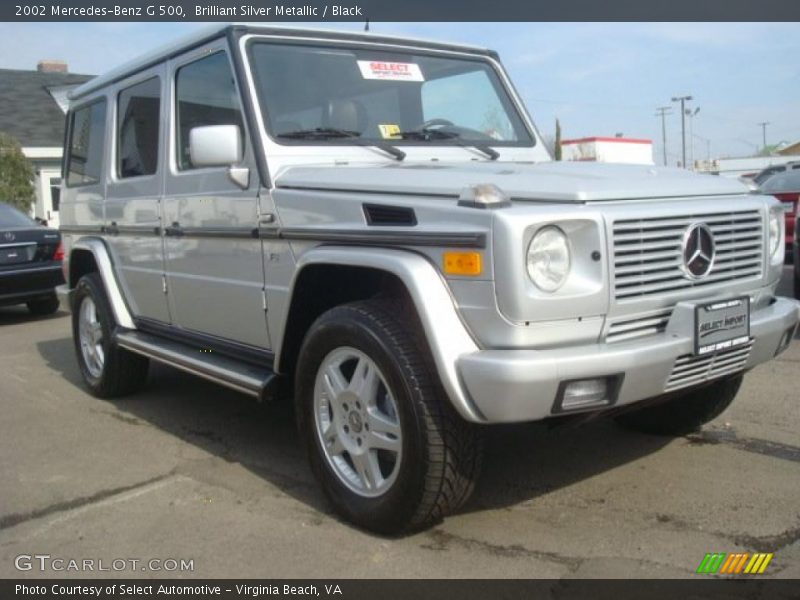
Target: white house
{"x":33,"y":105}
{"x":609,"y":150}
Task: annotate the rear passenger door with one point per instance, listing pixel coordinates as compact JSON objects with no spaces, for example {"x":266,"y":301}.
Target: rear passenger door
{"x":215,"y":272}
{"x":133,"y":196}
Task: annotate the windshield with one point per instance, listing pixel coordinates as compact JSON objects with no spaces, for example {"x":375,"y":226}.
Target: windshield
{"x":783,"y":182}
{"x":315,"y":94}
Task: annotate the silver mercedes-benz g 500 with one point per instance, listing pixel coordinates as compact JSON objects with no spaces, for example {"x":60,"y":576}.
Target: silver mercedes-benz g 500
{"x":376,"y":223}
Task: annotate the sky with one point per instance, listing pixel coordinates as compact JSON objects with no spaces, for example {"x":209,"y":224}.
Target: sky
{"x":598,"y":79}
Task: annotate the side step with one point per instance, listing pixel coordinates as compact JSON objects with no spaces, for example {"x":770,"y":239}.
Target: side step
{"x":248,"y":379}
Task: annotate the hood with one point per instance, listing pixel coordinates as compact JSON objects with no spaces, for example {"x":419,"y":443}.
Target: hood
{"x":549,"y":181}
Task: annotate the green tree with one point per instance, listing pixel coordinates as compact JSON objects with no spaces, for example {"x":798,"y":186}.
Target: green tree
{"x":557,"y":144}
{"x":16,"y":174}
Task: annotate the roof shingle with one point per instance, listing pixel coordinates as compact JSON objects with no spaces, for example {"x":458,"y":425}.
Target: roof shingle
{"x":28,"y":111}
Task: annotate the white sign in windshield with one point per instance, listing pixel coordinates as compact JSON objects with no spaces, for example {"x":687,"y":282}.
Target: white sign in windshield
{"x":395,"y":71}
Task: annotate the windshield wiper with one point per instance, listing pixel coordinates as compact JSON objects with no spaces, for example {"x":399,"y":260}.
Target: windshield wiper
{"x":429,"y":134}
{"x":323,"y":133}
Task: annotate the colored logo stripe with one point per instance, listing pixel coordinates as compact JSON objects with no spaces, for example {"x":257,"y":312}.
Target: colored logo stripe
{"x":758,"y":563}
{"x":734,"y":564}
{"x":711,"y":563}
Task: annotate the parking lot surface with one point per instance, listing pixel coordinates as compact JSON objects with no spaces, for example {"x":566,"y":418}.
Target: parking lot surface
{"x":189,"y":470}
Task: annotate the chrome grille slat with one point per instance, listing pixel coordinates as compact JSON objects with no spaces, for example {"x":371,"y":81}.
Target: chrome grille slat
{"x":651,"y":257}
{"x":640,"y":326}
{"x":690,"y":370}
{"x":647,"y":252}
{"x":666,"y":222}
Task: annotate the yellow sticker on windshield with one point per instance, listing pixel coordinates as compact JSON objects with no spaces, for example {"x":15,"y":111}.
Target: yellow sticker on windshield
{"x":389,"y":131}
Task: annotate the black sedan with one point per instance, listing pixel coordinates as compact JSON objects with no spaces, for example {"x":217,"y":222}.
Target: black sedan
{"x":30,"y":262}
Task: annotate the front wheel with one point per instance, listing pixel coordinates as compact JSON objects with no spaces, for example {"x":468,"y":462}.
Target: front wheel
{"x":388,"y":449}
{"x":685,"y":413}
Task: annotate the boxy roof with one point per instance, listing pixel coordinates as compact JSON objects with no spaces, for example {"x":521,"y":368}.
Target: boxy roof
{"x":208,"y":34}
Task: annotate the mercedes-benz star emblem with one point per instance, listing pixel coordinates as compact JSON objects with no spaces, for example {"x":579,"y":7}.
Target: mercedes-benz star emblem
{"x":9,"y":237}
{"x":698,"y":251}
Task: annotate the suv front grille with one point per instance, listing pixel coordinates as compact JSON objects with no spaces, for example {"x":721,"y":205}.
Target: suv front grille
{"x":690,"y":370}
{"x":647,"y":252}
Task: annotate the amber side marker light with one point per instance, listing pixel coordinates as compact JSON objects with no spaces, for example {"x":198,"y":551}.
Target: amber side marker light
{"x":462,"y":263}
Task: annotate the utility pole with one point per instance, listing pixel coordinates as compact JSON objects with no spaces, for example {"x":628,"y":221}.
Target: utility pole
{"x":663,"y":111}
{"x":764,"y":134}
{"x":691,"y":114}
{"x":683,"y":100}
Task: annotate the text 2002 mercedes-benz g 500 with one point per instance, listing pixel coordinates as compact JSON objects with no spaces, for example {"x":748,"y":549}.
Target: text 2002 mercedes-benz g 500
{"x":376,"y":221}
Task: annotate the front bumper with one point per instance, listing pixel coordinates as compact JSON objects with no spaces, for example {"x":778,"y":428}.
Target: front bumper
{"x":524,"y":385}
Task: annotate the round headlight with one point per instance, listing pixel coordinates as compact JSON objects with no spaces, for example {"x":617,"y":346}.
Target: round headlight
{"x":548,"y":258}
{"x":775,"y":222}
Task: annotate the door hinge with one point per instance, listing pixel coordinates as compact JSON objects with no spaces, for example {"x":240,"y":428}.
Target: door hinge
{"x":164,"y":283}
{"x":264,"y":300}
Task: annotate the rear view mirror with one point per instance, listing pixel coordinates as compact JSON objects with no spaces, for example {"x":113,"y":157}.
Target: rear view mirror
{"x":215,"y":146}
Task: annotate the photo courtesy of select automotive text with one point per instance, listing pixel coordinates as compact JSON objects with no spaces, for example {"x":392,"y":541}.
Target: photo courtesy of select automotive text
{"x":378,"y":299}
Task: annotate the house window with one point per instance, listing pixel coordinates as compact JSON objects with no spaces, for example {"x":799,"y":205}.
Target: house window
{"x":55,"y":192}
{"x":205,"y":95}
{"x":138,"y":127}
{"x":87,"y":132}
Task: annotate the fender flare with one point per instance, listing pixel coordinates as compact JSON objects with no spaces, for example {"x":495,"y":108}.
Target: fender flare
{"x":105,"y":267}
{"x":446,"y":334}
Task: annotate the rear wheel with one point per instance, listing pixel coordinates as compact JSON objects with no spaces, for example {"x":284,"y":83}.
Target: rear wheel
{"x":384,"y":442}
{"x":107,"y":369}
{"x":685,"y":413}
{"x":43,"y":306}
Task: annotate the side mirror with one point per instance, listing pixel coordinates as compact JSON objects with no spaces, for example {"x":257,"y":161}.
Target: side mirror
{"x":215,"y":146}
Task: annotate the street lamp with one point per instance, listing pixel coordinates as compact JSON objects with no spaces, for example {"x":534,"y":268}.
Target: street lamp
{"x":691,"y":114}
{"x":683,"y":100}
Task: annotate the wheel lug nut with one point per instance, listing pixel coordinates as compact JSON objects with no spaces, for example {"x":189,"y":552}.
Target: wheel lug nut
{"x":344,"y":406}
{"x":359,"y":441}
{"x":346,"y":429}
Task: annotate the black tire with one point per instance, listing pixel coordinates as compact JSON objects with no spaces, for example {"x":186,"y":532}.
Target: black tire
{"x":44,"y":306}
{"x":685,"y":413}
{"x":441,"y":453}
{"x":123,"y":372}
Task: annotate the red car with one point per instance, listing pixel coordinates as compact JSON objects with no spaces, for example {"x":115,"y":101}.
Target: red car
{"x":786,"y":188}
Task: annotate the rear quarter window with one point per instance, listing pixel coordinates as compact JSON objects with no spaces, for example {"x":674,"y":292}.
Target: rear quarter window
{"x":86,"y":141}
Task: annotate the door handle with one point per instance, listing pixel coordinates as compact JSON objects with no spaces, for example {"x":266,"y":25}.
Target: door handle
{"x":266,"y":219}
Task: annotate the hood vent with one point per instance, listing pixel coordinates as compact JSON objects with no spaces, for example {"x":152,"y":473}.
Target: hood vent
{"x":381,"y":215}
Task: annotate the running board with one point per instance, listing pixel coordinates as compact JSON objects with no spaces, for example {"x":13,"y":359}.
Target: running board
{"x":242,"y":377}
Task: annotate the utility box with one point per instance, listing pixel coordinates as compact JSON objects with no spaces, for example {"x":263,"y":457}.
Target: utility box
{"x":608,"y":150}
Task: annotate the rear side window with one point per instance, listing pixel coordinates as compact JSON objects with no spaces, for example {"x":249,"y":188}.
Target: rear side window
{"x":138,"y":127}
{"x":87,"y":134}
{"x":205,"y":95}
{"x":11,"y":217}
